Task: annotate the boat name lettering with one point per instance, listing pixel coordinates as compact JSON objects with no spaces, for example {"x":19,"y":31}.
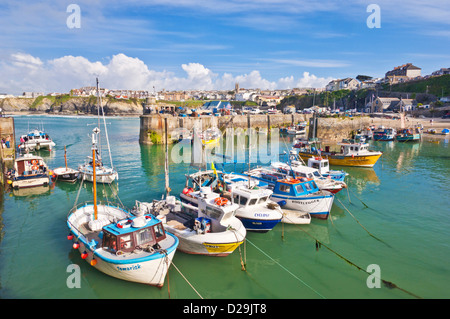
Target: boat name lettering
{"x":306,"y":202}
{"x":261,"y":215}
{"x":134,"y":267}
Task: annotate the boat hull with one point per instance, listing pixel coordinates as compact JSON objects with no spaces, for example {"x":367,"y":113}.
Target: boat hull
{"x":30,"y":181}
{"x":65,"y":175}
{"x":104,"y":176}
{"x":150,"y":272}
{"x":216,"y":244}
{"x":408,"y":138}
{"x":258,"y":225}
{"x":317,"y":206}
{"x":342,"y":160}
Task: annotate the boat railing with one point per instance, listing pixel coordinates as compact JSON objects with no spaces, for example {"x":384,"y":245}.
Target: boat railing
{"x":91,"y":203}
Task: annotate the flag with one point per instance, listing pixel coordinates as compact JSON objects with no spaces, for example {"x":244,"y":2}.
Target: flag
{"x":213,"y":168}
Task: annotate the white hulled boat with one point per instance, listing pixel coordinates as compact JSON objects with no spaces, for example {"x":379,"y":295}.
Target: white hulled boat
{"x":36,"y":140}
{"x":129,"y":247}
{"x":29,"y":171}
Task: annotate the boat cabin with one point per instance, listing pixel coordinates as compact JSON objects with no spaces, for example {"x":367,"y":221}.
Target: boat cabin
{"x":295,"y":187}
{"x":245,"y":197}
{"x":319,"y":163}
{"x":143,"y":232}
{"x":217,"y":210}
{"x":29,"y":165}
{"x":349,"y":148}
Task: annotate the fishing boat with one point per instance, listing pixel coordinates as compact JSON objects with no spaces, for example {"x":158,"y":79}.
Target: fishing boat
{"x":65,"y":174}
{"x":210,"y":136}
{"x":29,"y":171}
{"x":256,"y":211}
{"x":408,"y":135}
{"x":104,"y":174}
{"x":295,"y":169}
{"x":300,"y":195}
{"x":131,"y":247}
{"x":384,"y":134}
{"x":210,"y":228}
{"x":298,"y":129}
{"x":351,"y":153}
{"x":35,"y":140}
{"x":323,"y":166}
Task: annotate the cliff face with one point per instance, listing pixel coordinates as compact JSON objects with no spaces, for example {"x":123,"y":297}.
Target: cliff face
{"x":74,"y":105}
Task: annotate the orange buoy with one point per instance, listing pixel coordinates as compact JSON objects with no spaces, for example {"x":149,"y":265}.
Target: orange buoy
{"x":84,"y":255}
{"x":76,"y":245}
{"x":93,"y":262}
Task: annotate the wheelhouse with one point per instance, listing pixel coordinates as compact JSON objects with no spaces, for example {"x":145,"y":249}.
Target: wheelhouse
{"x":128,"y":235}
{"x":295,"y":187}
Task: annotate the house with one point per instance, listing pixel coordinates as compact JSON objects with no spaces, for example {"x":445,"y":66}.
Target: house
{"x":216,"y":106}
{"x":402,"y":73}
{"x":382,"y":103}
{"x":402,"y":105}
{"x":441,"y":71}
{"x":343,"y":84}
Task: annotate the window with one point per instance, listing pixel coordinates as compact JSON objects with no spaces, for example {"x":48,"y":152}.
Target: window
{"x":263,"y":199}
{"x":252,"y":201}
{"x":144,"y":236}
{"x":213,"y":212}
{"x":159,"y":232}
{"x":242,"y":200}
{"x":308,"y":186}
{"x":284,"y":188}
{"x":125,"y":242}
{"x":299,"y":189}
{"x":109,"y":242}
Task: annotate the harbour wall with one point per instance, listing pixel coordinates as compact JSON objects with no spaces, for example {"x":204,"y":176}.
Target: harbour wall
{"x":152,"y":127}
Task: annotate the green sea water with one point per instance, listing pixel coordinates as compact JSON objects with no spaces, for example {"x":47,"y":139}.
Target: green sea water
{"x":395,"y":216}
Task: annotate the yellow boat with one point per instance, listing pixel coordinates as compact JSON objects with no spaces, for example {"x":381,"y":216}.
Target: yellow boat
{"x":351,"y":154}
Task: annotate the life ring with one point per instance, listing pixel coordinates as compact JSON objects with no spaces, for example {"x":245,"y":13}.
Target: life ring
{"x":34,"y":162}
{"x":220,"y":201}
{"x":34,"y":167}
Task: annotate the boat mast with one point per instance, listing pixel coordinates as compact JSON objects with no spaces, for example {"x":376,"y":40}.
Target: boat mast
{"x":65,"y":157}
{"x":94,"y":178}
{"x":166,"y":161}
{"x":104,"y":123}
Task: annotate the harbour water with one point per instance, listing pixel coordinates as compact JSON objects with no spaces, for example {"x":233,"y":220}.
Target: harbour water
{"x":395,"y":216}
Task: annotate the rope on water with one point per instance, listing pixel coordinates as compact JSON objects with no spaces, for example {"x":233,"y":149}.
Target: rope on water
{"x":361,"y":224}
{"x":388,"y":284}
{"x":186,"y":280}
{"x":284,"y":268}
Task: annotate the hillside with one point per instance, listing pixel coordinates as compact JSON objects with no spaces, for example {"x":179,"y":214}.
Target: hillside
{"x":438,"y":86}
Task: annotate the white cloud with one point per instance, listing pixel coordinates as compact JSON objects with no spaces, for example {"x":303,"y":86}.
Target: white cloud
{"x":24,"y":72}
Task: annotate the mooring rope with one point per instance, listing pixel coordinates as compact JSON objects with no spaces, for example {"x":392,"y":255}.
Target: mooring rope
{"x":173,"y":264}
{"x":361,"y":224}
{"x":388,"y":284}
{"x":284,"y":268}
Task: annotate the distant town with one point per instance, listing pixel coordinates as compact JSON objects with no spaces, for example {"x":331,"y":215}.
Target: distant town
{"x":267,"y":99}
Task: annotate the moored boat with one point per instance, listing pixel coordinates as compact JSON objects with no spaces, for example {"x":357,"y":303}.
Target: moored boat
{"x":36,"y":140}
{"x":65,"y":174}
{"x":384,"y":134}
{"x":210,"y":228}
{"x":129,"y":247}
{"x":29,"y":171}
{"x":408,"y":135}
{"x":351,"y":153}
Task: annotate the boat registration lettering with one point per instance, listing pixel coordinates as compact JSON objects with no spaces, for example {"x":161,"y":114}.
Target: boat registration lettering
{"x":134,"y":267}
{"x":306,"y":202}
{"x":261,"y":215}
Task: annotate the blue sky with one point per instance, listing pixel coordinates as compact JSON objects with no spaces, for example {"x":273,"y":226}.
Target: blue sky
{"x":212,"y":44}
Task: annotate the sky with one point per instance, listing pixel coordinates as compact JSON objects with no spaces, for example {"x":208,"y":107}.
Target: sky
{"x":46,"y":46}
